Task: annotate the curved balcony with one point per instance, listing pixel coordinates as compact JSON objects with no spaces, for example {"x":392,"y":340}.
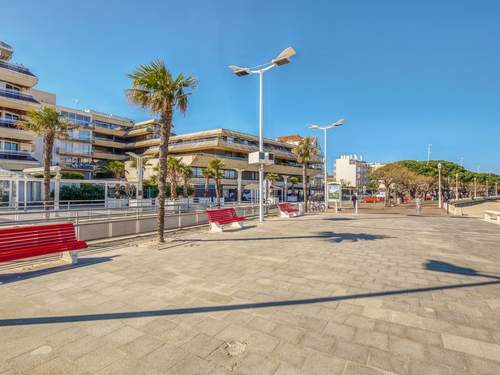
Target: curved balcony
{"x":16,"y":68}
{"x":17,"y":74}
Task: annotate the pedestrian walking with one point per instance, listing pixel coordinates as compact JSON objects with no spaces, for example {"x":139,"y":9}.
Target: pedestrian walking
{"x":418,"y":204}
{"x":354,"y":199}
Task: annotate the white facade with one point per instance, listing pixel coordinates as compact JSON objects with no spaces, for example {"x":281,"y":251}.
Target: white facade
{"x":351,"y":170}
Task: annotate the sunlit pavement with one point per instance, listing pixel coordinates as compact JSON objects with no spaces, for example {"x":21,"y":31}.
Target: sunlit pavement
{"x":321,"y":294}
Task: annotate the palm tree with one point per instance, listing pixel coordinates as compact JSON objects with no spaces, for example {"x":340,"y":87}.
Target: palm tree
{"x":305,"y":151}
{"x":216,"y":168}
{"x":154,"y":88}
{"x":115,"y":168}
{"x":207,"y":174}
{"x":186,"y":174}
{"x":174,"y":170}
{"x":49,"y":124}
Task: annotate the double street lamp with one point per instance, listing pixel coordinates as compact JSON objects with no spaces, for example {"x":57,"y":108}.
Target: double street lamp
{"x":324,"y":129}
{"x":440,"y":193}
{"x":282,"y":59}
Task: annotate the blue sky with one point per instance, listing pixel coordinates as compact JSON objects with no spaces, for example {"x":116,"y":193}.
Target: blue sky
{"x":403,"y":73}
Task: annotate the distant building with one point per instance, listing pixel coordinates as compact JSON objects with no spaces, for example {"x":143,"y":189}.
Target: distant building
{"x":375,"y":166}
{"x":351,"y":170}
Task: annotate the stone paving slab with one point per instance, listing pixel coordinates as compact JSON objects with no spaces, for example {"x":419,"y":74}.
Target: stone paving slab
{"x":320,"y":294}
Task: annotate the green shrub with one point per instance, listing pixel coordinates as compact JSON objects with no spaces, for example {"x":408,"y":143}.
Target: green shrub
{"x":72,"y":175}
{"x":82,"y":192}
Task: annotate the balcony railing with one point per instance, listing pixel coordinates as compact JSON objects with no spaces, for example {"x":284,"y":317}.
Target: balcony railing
{"x":16,"y":155}
{"x":16,"y":68}
{"x":14,"y":94}
{"x":7,"y":123}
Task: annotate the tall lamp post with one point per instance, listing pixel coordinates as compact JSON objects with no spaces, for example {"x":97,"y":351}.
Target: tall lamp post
{"x":139,"y":160}
{"x":282,"y":59}
{"x":440,"y":197}
{"x":324,"y":129}
{"x":475,"y":187}
{"x":456,"y":186}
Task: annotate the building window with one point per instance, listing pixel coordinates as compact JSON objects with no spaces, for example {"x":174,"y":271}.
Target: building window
{"x":11,"y":116}
{"x":197,"y":171}
{"x":248,"y":175}
{"x":230,"y":174}
{"x":10,"y":146}
{"x":8,"y":86}
{"x":76,"y":118}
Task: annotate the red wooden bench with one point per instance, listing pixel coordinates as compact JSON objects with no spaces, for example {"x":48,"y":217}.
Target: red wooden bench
{"x":287,"y":210}
{"x":30,"y":241}
{"x":220,"y":217}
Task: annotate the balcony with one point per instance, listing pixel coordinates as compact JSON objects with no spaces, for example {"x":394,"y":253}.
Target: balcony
{"x":17,"y":100}
{"x":17,"y":74}
{"x":7,"y":123}
{"x":16,"y":155}
{"x":105,"y":142}
{"x":16,"y":68}
{"x":78,"y":166}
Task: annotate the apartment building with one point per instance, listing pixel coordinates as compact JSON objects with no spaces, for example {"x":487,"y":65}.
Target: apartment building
{"x":17,"y":96}
{"x":232,"y":148}
{"x":92,"y":139}
{"x":95,"y":137}
{"x":352,"y":171}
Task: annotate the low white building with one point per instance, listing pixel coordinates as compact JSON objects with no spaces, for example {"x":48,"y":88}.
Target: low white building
{"x":351,"y":171}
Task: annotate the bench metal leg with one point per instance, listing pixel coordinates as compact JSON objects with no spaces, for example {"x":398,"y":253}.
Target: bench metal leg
{"x":216,"y":228}
{"x":70,"y":256}
{"x":236,"y":225}
{"x":284,"y":214}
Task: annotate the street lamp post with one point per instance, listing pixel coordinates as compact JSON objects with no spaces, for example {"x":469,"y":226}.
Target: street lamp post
{"x":456,"y":186}
{"x":475,"y":187}
{"x":324,"y":129}
{"x":282,"y":59}
{"x":139,"y":159}
{"x":440,"y":197}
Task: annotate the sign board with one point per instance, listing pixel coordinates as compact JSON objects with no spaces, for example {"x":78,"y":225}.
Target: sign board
{"x":261,"y":158}
{"x":333,"y":192}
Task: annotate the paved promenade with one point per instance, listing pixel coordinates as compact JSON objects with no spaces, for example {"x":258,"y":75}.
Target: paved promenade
{"x":321,"y":294}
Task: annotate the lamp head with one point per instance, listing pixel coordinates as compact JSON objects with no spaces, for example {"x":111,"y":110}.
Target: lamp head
{"x":313,"y":127}
{"x":239,"y":71}
{"x":284,"y":57}
{"x":339,"y":122}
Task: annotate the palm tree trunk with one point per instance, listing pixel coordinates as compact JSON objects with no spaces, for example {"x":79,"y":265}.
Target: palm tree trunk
{"x":185,"y":188}
{"x":304,"y":185}
{"x":207,"y":181}
{"x":165,"y":128}
{"x":217,"y":190}
{"x":117,"y":191}
{"x":47,"y":161}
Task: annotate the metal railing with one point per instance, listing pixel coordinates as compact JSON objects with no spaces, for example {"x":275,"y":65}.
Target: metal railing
{"x":16,"y":67}
{"x":14,"y":94}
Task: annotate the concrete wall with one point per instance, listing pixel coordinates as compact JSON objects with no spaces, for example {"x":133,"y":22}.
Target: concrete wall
{"x":146,"y":224}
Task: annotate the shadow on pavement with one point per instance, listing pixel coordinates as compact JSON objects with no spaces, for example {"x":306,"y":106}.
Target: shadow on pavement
{"x":8,"y":278}
{"x":258,"y":305}
{"x":330,"y":236}
{"x":436,"y":265}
